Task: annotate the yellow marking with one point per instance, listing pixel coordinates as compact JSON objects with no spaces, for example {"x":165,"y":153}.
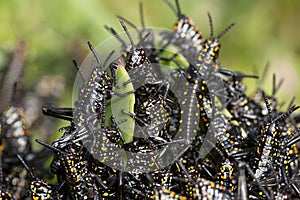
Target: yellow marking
{"x":257,"y":150}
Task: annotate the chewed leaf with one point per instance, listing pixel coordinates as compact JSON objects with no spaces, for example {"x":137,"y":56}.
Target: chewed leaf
{"x":126,"y":103}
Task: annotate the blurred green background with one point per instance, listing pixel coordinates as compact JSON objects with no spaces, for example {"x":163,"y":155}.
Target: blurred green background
{"x":57,"y":31}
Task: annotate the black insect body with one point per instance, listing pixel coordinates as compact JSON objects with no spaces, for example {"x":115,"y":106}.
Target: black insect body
{"x":203,"y":67}
{"x":90,"y":109}
{"x":247,"y":115}
{"x":234,"y":79}
{"x":227,"y":136}
{"x":288,"y":156}
{"x":146,"y":39}
{"x":235,"y":93}
{"x":186,"y":36}
{"x":60,"y":113}
{"x":203,"y":189}
{"x":211,"y":46}
{"x":199,"y":76}
{"x":245,"y":111}
{"x":288,"y":162}
{"x":139,"y":68}
{"x":203,"y":70}
{"x":92,"y":167}
{"x":156,"y":103}
{"x":185,"y":138}
{"x":267,"y":150}
{"x":110,"y":147}
{"x":39,"y":189}
{"x":226,"y":175}
{"x":190,"y":113}
{"x":152,"y":116}
{"x":138,"y":65}
{"x":81,"y":183}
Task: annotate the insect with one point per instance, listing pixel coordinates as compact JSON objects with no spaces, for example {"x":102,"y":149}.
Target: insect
{"x":91,"y":104}
{"x":250,"y":190}
{"x":290,"y":151}
{"x":81,"y":183}
{"x":211,"y":46}
{"x":147,"y":54}
{"x":186,"y":36}
{"x":258,"y":98}
{"x":288,"y":162}
{"x":15,"y":132}
{"x":139,"y":67}
{"x":152,"y":116}
{"x":226,"y":175}
{"x":227,"y":138}
{"x":169,"y":105}
{"x":108,"y":141}
{"x":146,"y":38}
{"x":39,"y":189}
{"x":267,"y":150}
{"x":190,"y":113}
{"x":91,"y":161}
{"x":137,"y":63}
{"x":204,"y":69}
{"x":244,"y":110}
{"x":60,"y":113}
